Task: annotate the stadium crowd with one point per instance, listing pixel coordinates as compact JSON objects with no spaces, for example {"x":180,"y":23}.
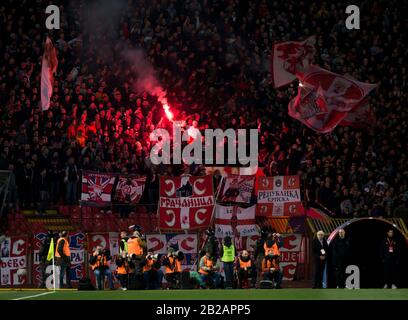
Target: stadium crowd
{"x":212,"y":59}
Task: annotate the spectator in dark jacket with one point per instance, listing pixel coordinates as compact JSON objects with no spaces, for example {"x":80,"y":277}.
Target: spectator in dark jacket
{"x":390,"y":256}
{"x":320,"y":249}
{"x":340,"y":249}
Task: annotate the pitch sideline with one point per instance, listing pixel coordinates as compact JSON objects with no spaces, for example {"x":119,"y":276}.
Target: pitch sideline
{"x":34,"y":296}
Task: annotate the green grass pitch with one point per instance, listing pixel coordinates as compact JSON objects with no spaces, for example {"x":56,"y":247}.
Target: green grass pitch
{"x":249,"y":294}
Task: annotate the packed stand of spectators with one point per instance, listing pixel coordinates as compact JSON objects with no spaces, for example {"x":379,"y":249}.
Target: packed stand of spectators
{"x":212,"y":59}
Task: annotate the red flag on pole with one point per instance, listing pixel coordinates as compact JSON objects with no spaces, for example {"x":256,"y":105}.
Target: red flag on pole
{"x":49,"y":67}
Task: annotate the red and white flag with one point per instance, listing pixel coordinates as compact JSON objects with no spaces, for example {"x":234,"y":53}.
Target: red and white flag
{"x":129,"y":189}
{"x":324,"y":98}
{"x":360,"y":116}
{"x":48,"y":68}
{"x":279,"y":196}
{"x":186,"y":202}
{"x":236,"y":188}
{"x":291,"y":57}
{"x":235,"y":221}
{"x":97,"y":187}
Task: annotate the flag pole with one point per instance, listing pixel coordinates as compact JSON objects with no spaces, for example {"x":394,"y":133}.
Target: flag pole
{"x":212,"y":215}
{"x":53,"y":271}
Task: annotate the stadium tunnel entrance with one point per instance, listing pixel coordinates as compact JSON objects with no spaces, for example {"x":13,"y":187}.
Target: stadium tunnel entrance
{"x":365,"y":236}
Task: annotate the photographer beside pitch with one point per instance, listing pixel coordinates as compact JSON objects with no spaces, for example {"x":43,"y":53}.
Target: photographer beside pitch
{"x":245,"y":270}
{"x":209,"y":269}
{"x":152,"y":274}
{"x":100,"y":266}
{"x":172,"y":264}
{"x":124,"y":270}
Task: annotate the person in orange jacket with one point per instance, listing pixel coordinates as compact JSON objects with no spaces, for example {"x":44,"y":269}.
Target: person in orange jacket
{"x":152,"y":274}
{"x":99,"y":262}
{"x":63,"y":258}
{"x":172,"y":264}
{"x":246,"y":269}
{"x":124,"y":269}
{"x":271,"y":269}
{"x":209,"y":268}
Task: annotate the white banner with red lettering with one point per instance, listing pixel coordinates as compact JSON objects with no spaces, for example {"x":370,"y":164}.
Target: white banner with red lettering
{"x":279,"y":196}
{"x":186,"y":202}
{"x":235,"y":221}
{"x":14,"y":261}
{"x":237,"y":189}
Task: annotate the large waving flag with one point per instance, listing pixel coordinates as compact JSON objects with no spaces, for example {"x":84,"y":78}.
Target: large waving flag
{"x":325,"y":98}
{"x":360,"y":116}
{"x":48,"y":68}
{"x":291,"y":57}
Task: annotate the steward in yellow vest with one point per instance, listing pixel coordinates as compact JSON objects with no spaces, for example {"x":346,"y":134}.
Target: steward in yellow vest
{"x":227,"y":254}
